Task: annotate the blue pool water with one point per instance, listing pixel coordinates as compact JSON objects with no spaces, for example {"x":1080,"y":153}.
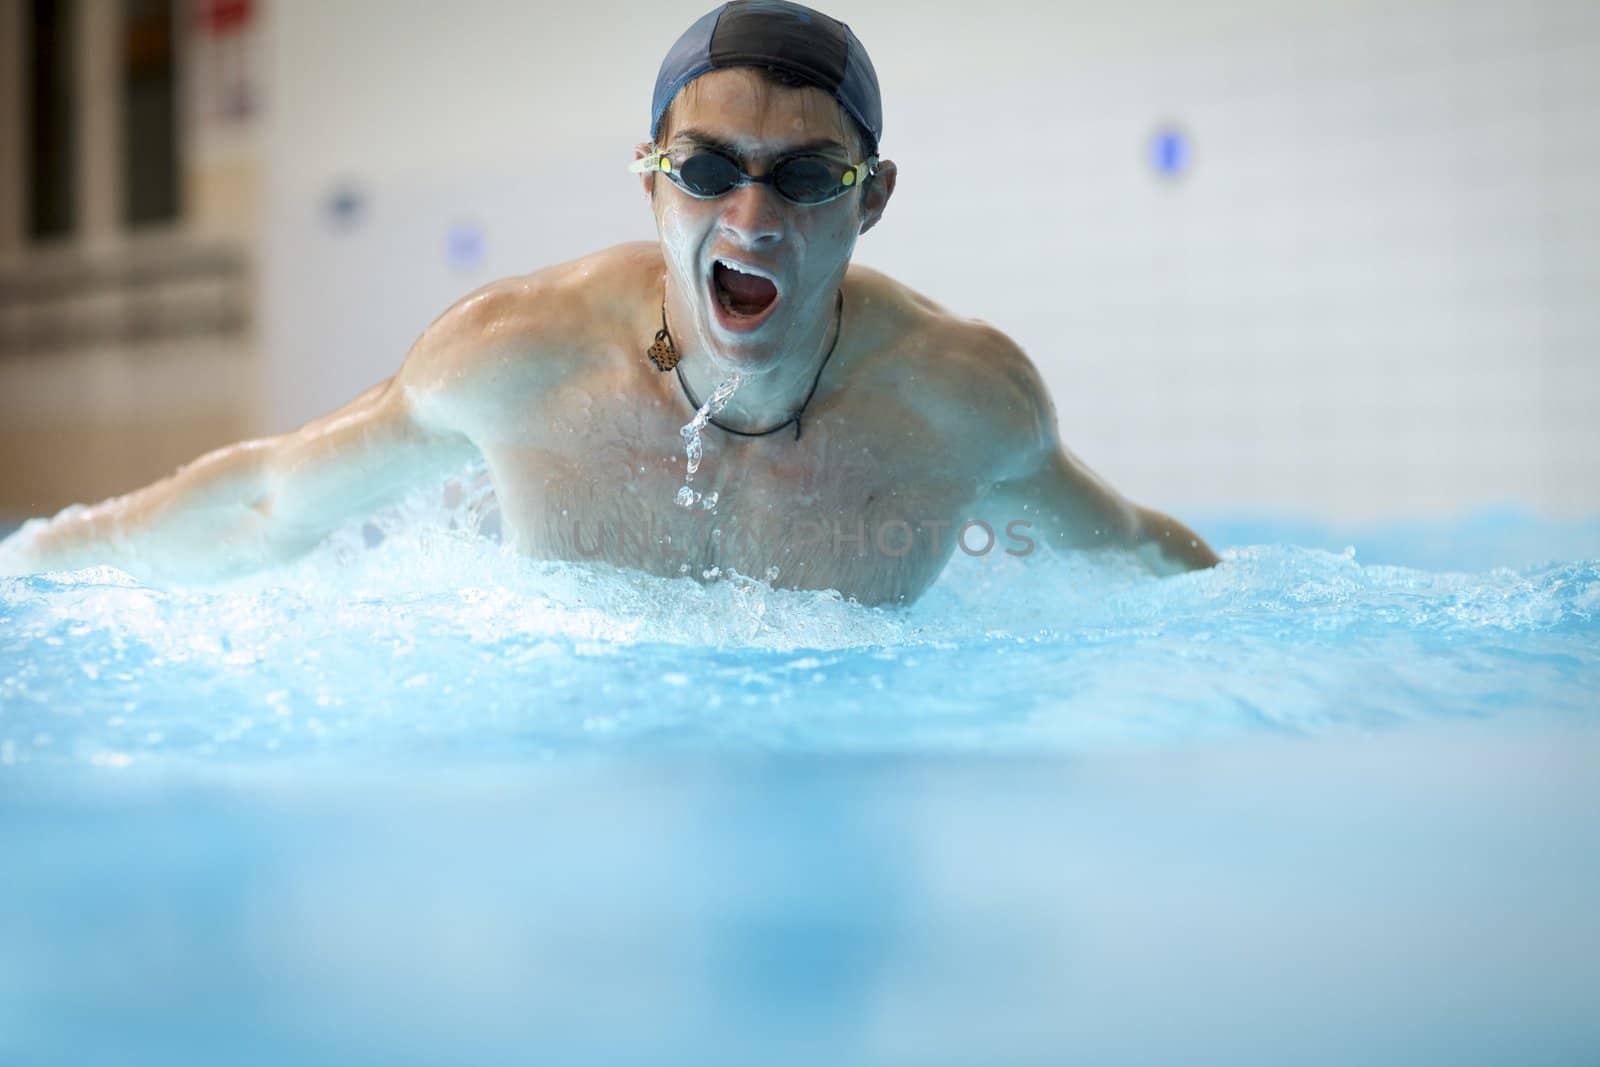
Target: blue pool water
{"x":414,"y":800}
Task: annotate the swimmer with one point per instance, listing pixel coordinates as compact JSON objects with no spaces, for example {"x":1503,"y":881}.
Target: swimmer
{"x":843,"y":431}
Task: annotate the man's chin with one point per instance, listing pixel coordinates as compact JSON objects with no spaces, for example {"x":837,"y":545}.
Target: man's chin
{"x":747,"y":355}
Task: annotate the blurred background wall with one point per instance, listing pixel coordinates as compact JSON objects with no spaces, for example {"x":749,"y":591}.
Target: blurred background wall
{"x":1337,"y":258}
{"x":129,"y":210}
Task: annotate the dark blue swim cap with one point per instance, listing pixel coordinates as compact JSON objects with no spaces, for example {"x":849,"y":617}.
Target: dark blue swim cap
{"x":784,"y":36}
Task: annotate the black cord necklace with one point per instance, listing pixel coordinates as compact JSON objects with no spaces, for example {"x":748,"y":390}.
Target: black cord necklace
{"x":664,"y":354}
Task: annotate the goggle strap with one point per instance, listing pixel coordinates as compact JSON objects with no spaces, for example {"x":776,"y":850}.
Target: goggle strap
{"x":654,"y":161}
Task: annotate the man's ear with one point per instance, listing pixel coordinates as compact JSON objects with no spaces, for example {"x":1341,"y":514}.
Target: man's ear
{"x":877,"y":191}
{"x":648,"y":179}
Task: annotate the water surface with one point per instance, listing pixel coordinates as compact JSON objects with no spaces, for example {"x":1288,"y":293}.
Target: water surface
{"x":414,"y":800}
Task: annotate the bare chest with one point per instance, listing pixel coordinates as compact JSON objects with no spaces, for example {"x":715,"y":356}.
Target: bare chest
{"x":868,"y":512}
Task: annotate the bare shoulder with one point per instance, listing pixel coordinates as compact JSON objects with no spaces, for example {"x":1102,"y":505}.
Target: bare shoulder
{"x":528,"y":332}
{"x":969,"y":372}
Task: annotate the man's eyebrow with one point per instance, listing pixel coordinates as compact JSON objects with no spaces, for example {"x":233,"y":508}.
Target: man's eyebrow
{"x":711,"y":140}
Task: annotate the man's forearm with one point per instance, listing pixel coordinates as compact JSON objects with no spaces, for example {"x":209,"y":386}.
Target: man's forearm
{"x":204,"y":522}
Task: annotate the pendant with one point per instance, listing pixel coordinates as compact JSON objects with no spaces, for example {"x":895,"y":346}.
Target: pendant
{"x":664,"y":354}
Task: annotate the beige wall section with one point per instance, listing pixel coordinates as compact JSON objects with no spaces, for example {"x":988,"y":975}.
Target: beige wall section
{"x":82,"y":425}
{"x":220,"y":197}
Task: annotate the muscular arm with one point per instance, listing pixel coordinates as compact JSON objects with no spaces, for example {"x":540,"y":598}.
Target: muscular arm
{"x":1070,"y":507}
{"x":258,"y":503}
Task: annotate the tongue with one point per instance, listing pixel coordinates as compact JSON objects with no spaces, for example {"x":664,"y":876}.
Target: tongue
{"x":747,"y":293}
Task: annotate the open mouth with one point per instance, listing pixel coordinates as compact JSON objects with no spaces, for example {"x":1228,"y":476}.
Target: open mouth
{"x":742,"y":295}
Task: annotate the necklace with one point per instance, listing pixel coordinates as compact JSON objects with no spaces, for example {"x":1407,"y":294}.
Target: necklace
{"x":664,"y":354}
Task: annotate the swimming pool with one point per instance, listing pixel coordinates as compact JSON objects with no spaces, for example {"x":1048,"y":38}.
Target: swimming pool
{"x":413,"y":800}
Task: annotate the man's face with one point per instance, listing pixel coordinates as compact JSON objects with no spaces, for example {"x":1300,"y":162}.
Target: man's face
{"x":802,"y":249}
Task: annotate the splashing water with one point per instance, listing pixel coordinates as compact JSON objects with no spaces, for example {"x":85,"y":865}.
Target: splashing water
{"x":416,"y":626}
{"x":693,"y":447}
{"x":424,"y":787}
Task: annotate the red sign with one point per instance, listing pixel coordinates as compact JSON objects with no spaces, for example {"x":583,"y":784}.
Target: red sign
{"x":220,"y":17}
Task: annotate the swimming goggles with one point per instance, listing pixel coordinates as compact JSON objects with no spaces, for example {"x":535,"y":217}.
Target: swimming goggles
{"x":706,"y":173}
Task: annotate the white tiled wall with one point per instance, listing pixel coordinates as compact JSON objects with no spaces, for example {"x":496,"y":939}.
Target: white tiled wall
{"x":1374,"y":292}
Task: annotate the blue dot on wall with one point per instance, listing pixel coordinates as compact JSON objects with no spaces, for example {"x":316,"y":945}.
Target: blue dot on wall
{"x":1171,"y":151}
{"x":464,"y":246}
{"x":344,"y":205}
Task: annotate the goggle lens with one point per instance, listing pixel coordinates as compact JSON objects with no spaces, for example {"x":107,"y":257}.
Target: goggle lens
{"x":801,"y":179}
{"x":708,"y":174}
{"x":807,"y":179}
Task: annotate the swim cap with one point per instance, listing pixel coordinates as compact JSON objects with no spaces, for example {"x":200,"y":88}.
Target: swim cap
{"x":788,"y":37}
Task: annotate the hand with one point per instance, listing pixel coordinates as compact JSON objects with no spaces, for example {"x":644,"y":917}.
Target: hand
{"x":19,"y":553}
{"x":1167,"y":546}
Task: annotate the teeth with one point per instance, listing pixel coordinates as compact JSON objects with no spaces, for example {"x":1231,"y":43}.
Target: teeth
{"x":743,"y":269}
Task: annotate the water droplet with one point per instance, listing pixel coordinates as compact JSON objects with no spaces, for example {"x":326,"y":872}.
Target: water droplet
{"x":693,"y":448}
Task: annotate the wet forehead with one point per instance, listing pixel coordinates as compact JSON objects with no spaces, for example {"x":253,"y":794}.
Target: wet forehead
{"x":754,"y":117}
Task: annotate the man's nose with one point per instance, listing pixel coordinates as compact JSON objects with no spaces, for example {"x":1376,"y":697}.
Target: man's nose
{"x":753,"y":212}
